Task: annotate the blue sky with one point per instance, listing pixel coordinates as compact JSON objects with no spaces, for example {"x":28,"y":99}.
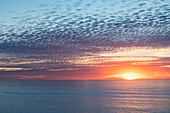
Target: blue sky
{"x":20,"y":5}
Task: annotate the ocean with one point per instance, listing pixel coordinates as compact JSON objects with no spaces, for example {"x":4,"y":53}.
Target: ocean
{"x":84,"y":96}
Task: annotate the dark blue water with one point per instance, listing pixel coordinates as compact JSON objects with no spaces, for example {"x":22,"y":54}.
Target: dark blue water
{"x":84,"y":96}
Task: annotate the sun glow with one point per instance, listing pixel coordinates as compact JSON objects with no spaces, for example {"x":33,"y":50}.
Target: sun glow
{"x":128,"y":76}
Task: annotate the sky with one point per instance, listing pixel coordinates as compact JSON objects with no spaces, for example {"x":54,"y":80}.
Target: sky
{"x":84,"y":39}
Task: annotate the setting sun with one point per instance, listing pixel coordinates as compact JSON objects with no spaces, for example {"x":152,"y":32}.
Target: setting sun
{"x":128,"y":76}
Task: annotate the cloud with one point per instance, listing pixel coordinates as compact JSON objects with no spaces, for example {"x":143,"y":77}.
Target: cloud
{"x":82,"y":25}
{"x":166,"y":66}
{"x":78,"y":39}
{"x":161,"y":52}
{"x":64,"y":69}
{"x":12,"y":69}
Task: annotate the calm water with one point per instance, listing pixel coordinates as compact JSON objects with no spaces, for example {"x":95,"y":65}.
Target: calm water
{"x":84,"y":96}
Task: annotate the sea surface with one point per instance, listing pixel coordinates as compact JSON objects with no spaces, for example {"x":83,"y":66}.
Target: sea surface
{"x":26,"y":96}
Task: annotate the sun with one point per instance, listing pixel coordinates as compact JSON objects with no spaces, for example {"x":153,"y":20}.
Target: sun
{"x":129,"y":78}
